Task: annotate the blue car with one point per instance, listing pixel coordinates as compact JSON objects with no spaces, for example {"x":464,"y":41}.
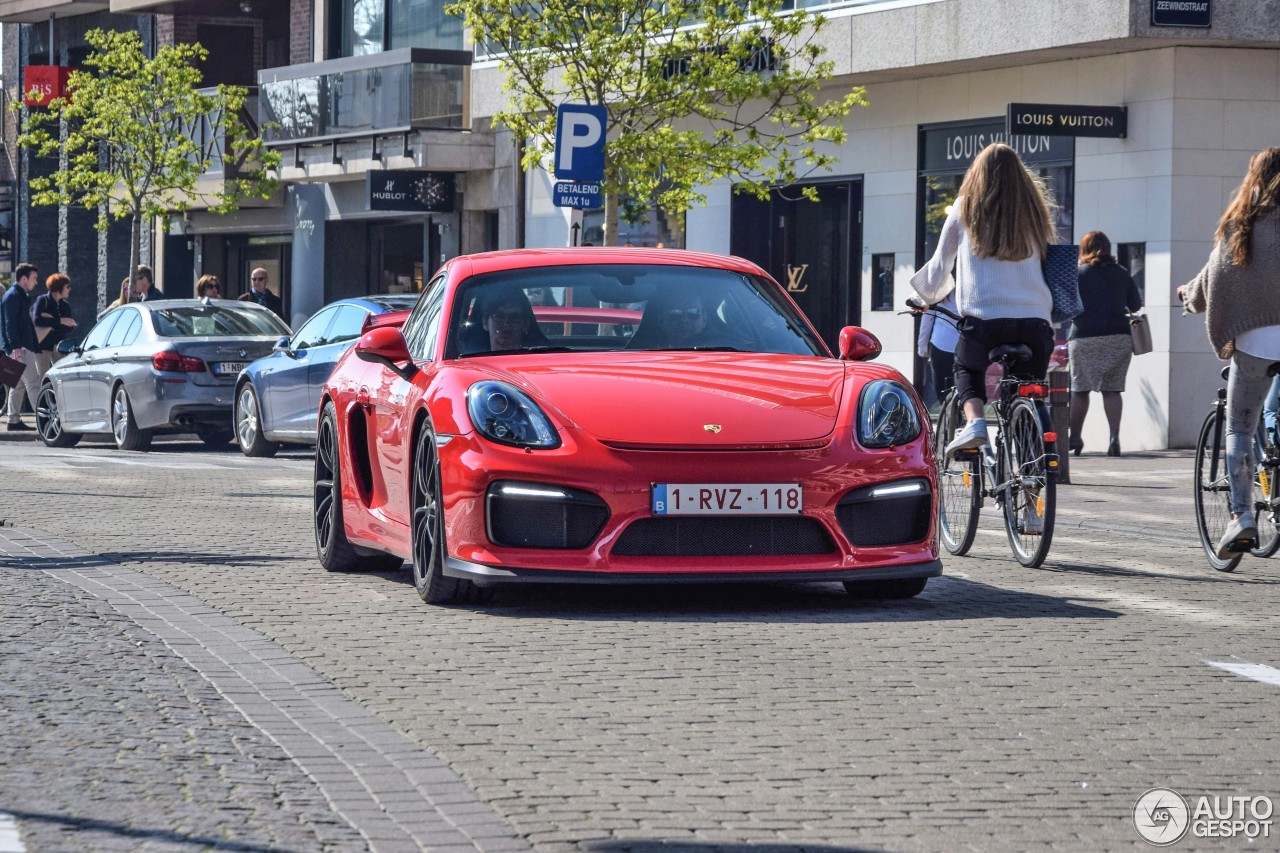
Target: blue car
{"x":277,"y":396}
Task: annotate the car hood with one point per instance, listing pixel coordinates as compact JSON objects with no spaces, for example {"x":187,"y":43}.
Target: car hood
{"x":721,"y":400}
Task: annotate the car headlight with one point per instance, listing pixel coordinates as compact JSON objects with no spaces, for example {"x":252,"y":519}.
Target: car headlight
{"x":886,"y":415}
{"x":505,"y":414}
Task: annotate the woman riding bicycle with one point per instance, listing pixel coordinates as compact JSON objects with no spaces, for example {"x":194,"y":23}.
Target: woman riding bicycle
{"x":1239,"y":291}
{"x":996,"y":233}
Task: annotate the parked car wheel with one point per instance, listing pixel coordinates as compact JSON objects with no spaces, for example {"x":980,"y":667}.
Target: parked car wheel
{"x":248,"y":421}
{"x":336,"y":553}
{"x":125,"y":429}
{"x":49,"y":423}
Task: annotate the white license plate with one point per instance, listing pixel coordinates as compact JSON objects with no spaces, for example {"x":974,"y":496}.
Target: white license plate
{"x":727,"y":499}
{"x":223,"y":368}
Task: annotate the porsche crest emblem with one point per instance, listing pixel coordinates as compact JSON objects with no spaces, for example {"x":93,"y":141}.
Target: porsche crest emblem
{"x":712,"y":428}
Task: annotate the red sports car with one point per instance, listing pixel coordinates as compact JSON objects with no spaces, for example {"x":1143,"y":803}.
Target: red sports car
{"x":620,"y":416}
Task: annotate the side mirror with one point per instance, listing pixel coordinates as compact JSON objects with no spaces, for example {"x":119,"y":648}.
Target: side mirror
{"x":857,"y":344}
{"x":282,"y":345}
{"x":68,"y":346}
{"x":387,"y":347}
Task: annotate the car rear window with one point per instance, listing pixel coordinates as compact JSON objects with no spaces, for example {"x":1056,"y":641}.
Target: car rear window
{"x":197,"y":321}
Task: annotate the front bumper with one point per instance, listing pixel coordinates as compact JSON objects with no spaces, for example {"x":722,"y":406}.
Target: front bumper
{"x":482,"y":575}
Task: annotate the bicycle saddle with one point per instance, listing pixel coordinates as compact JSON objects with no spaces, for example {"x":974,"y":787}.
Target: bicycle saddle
{"x":1016,"y":352}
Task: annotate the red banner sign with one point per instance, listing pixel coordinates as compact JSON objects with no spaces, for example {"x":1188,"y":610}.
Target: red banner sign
{"x":42,"y":83}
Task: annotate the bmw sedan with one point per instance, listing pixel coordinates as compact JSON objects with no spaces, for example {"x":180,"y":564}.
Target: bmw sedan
{"x":168,"y":366}
{"x":675,"y":419}
{"x":278,"y":395}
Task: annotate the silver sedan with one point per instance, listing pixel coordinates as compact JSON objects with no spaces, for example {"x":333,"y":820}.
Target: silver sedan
{"x":155,"y":367}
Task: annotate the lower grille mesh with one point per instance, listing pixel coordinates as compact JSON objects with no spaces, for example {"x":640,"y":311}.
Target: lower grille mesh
{"x":723,"y":537}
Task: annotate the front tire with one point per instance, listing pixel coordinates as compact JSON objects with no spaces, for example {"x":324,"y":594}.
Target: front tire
{"x":1212,"y":494}
{"x":124,"y":428}
{"x":335,"y":552}
{"x":1031,"y":501}
{"x":248,"y":424}
{"x":49,"y":422}
{"x":959,"y":486}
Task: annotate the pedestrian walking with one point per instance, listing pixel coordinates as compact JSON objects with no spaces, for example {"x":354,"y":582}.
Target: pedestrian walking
{"x":53,"y":321}
{"x":995,"y":234}
{"x":18,"y":339}
{"x":936,"y":342}
{"x":1237,"y":292}
{"x":1100,"y":345}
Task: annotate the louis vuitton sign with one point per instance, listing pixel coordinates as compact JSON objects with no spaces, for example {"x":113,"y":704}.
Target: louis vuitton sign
{"x":1068,"y":120}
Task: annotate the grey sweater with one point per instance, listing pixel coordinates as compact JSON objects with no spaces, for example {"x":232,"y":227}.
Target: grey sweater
{"x":1236,"y":299}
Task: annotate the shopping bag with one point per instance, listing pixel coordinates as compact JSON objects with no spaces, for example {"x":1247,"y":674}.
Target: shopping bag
{"x":1060,"y":267}
{"x":10,"y":371}
{"x":1140,"y":331}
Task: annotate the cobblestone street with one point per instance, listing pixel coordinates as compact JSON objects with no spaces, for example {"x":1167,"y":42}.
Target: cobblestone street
{"x":180,"y":674}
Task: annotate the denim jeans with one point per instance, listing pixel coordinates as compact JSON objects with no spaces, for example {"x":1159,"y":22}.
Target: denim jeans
{"x":1247,"y":383}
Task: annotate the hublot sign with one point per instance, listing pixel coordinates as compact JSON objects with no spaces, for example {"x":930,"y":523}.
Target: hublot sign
{"x":1068,"y":120}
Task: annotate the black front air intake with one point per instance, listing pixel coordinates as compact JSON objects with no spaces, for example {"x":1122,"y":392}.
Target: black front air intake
{"x":711,"y":536}
{"x":534,"y":515}
{"x":886,"y":514}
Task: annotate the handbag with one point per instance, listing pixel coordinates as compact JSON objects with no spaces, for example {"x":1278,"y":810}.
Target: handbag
{"x":1140,"y":331}
{"x":1061,"y":273}
{"x":11,"y":371}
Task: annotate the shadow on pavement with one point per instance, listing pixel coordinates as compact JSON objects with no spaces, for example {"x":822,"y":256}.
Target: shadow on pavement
{"x":945,"y":599}
{"x":1239,"y":576}
{"x":657,"y":846}
{"x":67,"y":824}
{"x":112,"y":558}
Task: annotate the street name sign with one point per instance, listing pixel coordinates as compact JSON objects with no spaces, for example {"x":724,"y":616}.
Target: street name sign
{"x":579,"y":152}
{"x":1182,"y":13}
{"x":583,"y":194}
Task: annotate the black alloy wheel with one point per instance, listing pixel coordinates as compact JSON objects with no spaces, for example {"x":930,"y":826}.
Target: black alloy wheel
{"x":335,"y":552}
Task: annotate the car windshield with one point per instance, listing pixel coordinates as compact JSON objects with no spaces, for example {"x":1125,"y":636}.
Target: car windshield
{"x":197,"y":321}
{"x":610,"y":307}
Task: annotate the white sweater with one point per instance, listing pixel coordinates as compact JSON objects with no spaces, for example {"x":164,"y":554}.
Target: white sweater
{"x":985,"y":288}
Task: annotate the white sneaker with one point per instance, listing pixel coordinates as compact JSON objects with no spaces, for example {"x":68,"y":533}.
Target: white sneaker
{"x":1240,"y":536}
{"x":971,"y":436}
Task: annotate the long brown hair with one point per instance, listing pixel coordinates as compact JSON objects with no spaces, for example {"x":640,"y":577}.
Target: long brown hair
{"x":1258,"y":193}
{"x":1095,"y":249}
{"x":1004,"y":208}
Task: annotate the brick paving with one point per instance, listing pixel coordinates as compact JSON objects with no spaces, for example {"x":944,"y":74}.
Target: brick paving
{"x":1005,"y":709}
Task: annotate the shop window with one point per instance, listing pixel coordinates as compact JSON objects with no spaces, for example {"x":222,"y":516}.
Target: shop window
{"x":882,"y":270}
{"x":1133,"y":257}
{"x":372,"y":26}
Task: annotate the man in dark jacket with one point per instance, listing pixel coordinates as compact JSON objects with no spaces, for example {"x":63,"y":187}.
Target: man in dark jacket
{"x":261,"y":294}
{"x":18,"y":340}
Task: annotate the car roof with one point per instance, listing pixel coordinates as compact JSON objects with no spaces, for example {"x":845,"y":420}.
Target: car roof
{"x":523,"y":258}
{"x":380,"y":302}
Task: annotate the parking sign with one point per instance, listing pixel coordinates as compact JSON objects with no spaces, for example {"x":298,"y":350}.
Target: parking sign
{"x":579,"y":154}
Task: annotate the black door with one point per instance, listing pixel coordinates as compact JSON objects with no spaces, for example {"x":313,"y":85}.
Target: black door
{"x":811,"y":247}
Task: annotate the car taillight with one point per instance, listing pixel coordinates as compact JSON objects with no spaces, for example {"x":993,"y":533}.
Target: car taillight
{"x":176,"y":362}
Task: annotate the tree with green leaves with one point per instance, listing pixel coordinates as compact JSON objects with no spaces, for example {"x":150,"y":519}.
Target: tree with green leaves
{"x":695,"y":91}
{"x":135,"y":136}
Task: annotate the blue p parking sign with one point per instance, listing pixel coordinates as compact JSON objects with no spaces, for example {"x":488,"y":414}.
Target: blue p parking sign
{"x":579,"y":154}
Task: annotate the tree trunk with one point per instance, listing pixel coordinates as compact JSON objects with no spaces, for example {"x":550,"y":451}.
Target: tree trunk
{"x":135,"y":254}
{"x":611,"y":219}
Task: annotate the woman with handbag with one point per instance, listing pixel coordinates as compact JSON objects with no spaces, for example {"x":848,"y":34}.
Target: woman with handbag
{"x":996,"y":234}
{"x":1100,"y":344}
{"x":1237,"y":292}
{"x":52,"y":317}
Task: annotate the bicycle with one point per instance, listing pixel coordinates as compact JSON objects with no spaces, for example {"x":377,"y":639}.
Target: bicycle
{"x":1213,"y":494}
{"x":1018,"y":469}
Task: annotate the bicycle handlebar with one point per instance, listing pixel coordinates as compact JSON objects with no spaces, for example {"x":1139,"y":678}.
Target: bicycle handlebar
{"x":918,"y":306}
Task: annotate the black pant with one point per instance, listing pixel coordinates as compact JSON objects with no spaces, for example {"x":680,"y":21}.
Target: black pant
{"x":943,"y":365}
{"x":979,"y":337}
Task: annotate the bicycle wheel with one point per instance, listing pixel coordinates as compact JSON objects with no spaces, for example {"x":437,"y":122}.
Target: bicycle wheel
{"x":1030,"y":498}
{"x":1264,"y":500}
{"x":959,"y":486}
{"x":1212,"y":494}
